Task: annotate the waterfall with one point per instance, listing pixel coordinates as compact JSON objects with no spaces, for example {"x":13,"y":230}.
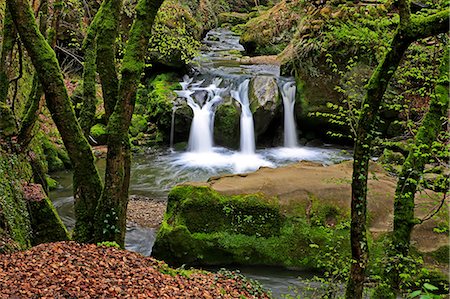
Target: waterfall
{"x":202,"y":127}
{"x":247,"y":126}
{"x":290,"y":131}
{"x":172,"y":126}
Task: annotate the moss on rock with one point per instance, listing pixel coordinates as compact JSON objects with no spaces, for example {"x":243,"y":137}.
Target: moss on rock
{"x":265,"y":103}
{"x":139,"y":124}
{"x":247,"y":229}
{"x":226,"y":126}
{"x":46,"y":223}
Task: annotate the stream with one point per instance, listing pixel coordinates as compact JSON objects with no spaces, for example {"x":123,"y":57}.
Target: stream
{"x":155,"y":171}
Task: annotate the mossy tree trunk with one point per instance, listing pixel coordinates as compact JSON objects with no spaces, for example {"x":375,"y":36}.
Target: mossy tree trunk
{"x":86,"y":182}
{"x":99,"y":55}
{"x":111,"y":212}
{"x":87,"y":113}
{"x":107,"y":32}
{"x":7,"y":122}
{"x":410,"y":29}
{"x":413,"y":167}
{"x":35,"y":101}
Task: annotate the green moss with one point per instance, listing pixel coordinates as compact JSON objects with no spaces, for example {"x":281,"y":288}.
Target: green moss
{"x":233,"y":18}
{"x":226,"y":126}
{"x":202,"y":226}
{"x":14,"y":215}
{"x":154,"y":103}
{"x":52,"y":156}
{"x":98,"y":132}
{"x":7,"y":123}
{"x":139,"y":124}
{"x":109,"y":244}
{"x":52,"y":184}
{"x":175,"y":35}
{"x":46,"y":223}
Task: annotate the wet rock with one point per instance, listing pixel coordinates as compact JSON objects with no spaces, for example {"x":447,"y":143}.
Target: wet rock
{"x":265,"y":102}
{"x":226,"y":125}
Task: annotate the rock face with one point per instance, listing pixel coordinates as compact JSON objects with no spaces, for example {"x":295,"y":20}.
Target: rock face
{"x":278,"y":216}
{"x":265,"y":102}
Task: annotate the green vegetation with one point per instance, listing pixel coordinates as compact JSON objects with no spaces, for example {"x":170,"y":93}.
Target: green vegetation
{"x":13,"y":208}
{"x":247,"y":229}
{"x":153,"y":112}
{"x":175,"y":35}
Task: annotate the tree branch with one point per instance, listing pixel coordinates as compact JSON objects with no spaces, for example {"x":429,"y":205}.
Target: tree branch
{"x":431,"y":215}
{"x":422,"y":27}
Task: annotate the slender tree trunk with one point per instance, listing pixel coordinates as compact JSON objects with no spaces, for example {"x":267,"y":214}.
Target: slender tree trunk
{"x":9,"y":37}
{"x":112,"y":208}
{"x":7,"y":121}
{"x":371,"y":104}
{"x":87,"y":183}
{"x":107,"y":32}
{"x":88,"y":109}
{"x":408,"y":31}
{"x":100,"y":55}
{"x":412,"y":169}
{"x":35,"y":102}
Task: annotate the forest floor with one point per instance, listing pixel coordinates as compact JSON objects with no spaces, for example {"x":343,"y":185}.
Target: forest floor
{"x":146,"y":212}
{"x":71,"y":270}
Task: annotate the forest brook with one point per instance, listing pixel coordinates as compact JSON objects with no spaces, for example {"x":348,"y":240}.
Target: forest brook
{"x":224,"y":149}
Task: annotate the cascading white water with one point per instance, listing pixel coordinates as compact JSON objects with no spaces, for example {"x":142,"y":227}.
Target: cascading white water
{"x":290,"y":131}
{"x":172,"y":126}
{"x":247,"y":126}
{"x":201,"y":134}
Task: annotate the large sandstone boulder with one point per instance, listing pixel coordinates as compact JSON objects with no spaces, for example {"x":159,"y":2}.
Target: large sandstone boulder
{"x":265,"y":102}
{"x":290,"y":216}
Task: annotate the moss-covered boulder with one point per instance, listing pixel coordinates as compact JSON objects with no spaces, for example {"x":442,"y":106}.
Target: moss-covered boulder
{"x":226,"y":125}
{"x":265,"y":102}
{"x":46,"y":224}
{"x":271,"y":31}
{"x":293,"y":216}
{"x":175,"y":36}
{"x":202,"y":226}
{"x":155,"y":104}
{"x":27,"y":216}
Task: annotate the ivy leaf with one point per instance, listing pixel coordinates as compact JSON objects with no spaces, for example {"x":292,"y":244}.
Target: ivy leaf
{"x":429,"y":287}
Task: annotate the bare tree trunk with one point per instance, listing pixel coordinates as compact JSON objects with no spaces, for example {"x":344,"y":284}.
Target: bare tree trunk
{"x":408,"y":31}
{"x":112,"y":208}
{"x":87,"y":183}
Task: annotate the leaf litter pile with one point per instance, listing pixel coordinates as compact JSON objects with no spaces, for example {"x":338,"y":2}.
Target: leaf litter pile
{"x":72,"y":270}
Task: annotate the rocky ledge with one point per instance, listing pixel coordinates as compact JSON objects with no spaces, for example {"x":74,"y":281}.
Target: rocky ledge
{"x":291,"y":216}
